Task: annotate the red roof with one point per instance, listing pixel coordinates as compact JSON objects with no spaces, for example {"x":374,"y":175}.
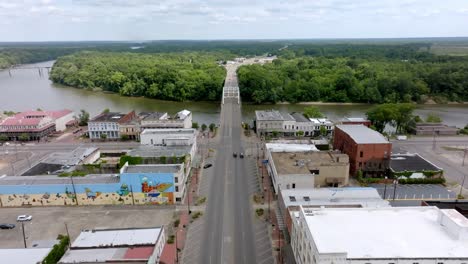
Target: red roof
{"x":19,"y":121}
{"x":53,"y":114}
{"x":139,"y":253}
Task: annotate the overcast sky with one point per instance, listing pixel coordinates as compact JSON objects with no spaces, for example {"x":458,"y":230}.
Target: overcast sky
{"x":61,"y":20}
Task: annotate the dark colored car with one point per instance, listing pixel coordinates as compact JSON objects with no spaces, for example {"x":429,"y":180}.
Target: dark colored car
{"x":7,"y":226}
{"x":207,"y":165}
{"x":234,"y":155}
{"x":241,"y":155}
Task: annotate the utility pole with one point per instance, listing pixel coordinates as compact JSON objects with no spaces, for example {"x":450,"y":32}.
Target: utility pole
{"x":461,"y":186}
{"x":68,"y":234}
{"x":74,"y":190}
{"x":187,"y":190}
{"x":385,"y":189}
{"x":133,"y":198}
{"x":464,"y":156}
{"x":24,"y":235}
{"x":395,"y":182}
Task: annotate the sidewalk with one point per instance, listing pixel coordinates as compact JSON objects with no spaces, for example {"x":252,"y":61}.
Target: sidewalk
{"x":172,"y":252}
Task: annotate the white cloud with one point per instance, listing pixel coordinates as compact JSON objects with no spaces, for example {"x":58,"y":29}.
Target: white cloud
{"x":164,"y":19}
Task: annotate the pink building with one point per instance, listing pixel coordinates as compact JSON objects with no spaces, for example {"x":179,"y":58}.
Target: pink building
{"x":35,"y":124}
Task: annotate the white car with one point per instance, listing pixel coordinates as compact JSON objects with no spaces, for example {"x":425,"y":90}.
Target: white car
{"x":22,"y":218}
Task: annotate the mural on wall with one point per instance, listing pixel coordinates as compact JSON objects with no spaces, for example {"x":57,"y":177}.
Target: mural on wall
{"x":132,"y":188}
{"x":155,"y":193}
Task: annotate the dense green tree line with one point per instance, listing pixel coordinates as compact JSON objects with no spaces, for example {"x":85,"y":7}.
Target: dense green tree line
{"x":168,"y":76}
{"x":11,"y":57}
{"x":353,"y":79}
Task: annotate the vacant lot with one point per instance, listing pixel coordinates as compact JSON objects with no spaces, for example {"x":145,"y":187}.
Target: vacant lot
{"x":48,"y":222}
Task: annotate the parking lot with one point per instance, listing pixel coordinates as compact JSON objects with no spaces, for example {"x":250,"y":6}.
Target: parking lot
{"x":48,"y":222}
{"x":414,"y":192}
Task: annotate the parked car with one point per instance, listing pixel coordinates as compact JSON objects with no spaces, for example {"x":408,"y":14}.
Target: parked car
{"x":22,"y":218}
{"x":234,"y":155}
{"x":7,"y":226}
{"x":241,"y":155}
{"x":207,"y":165}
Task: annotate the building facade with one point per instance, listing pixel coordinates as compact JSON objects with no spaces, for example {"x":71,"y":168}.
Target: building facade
{"x":135,"y":184}
{"x":182,"y":119}
{"x":107,"y":125}
{"x":34,"y":125}
{"x":368,"y":150}
{"x":294,"y":124}
{"x":169,"y":137}
{"x":306,"y":169}
{"x":386,"y":235}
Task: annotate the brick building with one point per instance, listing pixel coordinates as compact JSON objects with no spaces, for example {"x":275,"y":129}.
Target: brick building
{"x":368,"y":150}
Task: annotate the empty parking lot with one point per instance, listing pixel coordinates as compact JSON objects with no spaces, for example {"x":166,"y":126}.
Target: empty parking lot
{"x":48,"y":222}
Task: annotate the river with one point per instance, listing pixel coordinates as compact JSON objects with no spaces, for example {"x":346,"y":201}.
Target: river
{"x":26,"y":89}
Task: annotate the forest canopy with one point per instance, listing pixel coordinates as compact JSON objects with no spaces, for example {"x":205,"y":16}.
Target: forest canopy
{"x":352,"y":79}
{"x":167,"y":76}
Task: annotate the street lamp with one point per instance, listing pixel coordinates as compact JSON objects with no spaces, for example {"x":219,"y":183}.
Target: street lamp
{"x":385,"y":188}
{"x":395,"y":183}
{"x":187,"y":191}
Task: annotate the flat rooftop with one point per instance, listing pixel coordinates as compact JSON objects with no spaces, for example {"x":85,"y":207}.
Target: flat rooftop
{"x":355,"y":119}
{"x":362,"y":134}
{"x":304,"y":162}
{"x":175,"y":132}
{"x":286,"y":147}
{"x":53,"y":179}
{"x":299,"y":117}
{"x":392,"y":232}
{"x":411,"y":162}
{"x":268,"y":115}
{"x":147,"y":116}
{"x":362,"y":196}
{"x":160,"y":151}
{"x":101,"y":255}
{"x":109,"y":238}
{"x":153,"y":168}
{"x":108,"y":117}
{"x":24,"y":255}
{"x":69,"y":158}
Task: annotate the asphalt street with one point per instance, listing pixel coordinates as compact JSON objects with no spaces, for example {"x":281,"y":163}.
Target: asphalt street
{"x":230,"y":237}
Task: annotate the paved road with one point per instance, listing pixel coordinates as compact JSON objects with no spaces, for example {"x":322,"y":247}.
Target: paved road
{"x":230,"y":237}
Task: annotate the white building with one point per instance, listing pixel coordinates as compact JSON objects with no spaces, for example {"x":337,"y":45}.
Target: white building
{"x":107,"y":125}
{"x":182,"y":119}
{"x":322,"y":122}
{"x":23,"y":255}
{"x":292,"y":166}
{"x":169,"y":137}
{"x":269,"y":121}
{"x":387,"y":235}
{"x":177,"y":172}
{"x":126,"y":245}
{"x":290,"y":201}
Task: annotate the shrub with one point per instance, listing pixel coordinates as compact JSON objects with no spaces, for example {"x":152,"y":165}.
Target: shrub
{"x":422,"y":181}
{"x":57,"y":251}
{"x":200,"y":200}
{"x":260,"y":211}
{"x":176,"y":223}
{"x":131,"y":160}
{"x":197,"y":215}
{"x":170,"y":239}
